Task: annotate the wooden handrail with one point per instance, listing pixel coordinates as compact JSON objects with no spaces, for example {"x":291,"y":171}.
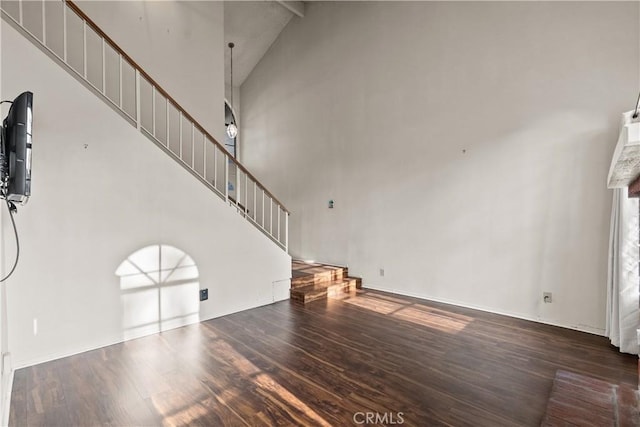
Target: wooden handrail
{"x":164,"y":93}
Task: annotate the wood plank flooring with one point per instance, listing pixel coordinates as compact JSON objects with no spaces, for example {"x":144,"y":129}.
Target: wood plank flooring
{"x":576,"y":398}
{"x":320,"y":365}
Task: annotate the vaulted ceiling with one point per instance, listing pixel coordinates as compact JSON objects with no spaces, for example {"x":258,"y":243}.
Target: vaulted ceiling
{"x":253,"y":26}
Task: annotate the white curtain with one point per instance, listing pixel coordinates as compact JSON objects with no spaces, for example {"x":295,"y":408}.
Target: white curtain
{"x":623,"y":282}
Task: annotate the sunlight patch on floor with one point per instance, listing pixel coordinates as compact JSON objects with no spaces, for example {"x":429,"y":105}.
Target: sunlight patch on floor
{"x":419,"y":314}
{"x":374,"y":304}
{"x":433,"y":320}
{"x":228,"y":382}
{"x":186,"y":416}
{"x":266,"y":383}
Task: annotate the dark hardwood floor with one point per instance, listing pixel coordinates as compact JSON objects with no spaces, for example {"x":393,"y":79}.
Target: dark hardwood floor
{"x":321,"y":364}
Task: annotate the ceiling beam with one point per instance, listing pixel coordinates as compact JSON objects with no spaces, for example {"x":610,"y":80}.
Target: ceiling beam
{"x":295,"y":7}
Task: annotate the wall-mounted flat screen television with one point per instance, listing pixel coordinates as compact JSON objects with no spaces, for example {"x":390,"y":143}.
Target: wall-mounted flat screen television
{"x":16,"y":149}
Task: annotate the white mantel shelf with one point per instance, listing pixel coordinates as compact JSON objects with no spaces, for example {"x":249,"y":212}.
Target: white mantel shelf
{"x":625,"y":164}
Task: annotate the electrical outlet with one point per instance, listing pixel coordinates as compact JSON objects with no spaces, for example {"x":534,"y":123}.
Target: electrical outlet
{"x":204,"y":294}
{"x":382,"y":272}
{"x":547,"y":297}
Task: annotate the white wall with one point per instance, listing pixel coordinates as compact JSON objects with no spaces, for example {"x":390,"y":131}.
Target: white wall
{"x":101,"y":191}
{"x":466,"y":146}
{"x":179,"y":43}
{"x":5,"y":371}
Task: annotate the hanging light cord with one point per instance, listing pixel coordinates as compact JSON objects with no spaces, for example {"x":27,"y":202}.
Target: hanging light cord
{"x":231,"y":46}
{"x":637,"y":110}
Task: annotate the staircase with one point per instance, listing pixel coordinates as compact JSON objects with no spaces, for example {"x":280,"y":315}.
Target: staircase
{"x":70,"y":38}
{"x":314,"y":282}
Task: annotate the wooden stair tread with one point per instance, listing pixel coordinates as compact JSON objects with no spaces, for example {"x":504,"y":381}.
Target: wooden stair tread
{"x":326,"y":285}
{"x":304,"y":274}
{"x":319,"y":273}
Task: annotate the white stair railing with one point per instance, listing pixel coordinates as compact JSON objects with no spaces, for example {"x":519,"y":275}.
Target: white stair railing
{"x":71,"y":38}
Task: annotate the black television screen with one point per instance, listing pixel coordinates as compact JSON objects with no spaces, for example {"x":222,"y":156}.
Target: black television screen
{"x":16,"y":148}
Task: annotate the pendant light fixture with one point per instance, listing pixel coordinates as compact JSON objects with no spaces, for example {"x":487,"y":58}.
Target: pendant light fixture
{"x":232,"y":128}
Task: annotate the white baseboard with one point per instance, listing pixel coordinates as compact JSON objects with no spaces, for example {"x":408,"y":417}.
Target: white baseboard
{"x":582,"y":328}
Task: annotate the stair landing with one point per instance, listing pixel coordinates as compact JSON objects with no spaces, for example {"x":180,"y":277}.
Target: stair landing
{"x":314,"y":281}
